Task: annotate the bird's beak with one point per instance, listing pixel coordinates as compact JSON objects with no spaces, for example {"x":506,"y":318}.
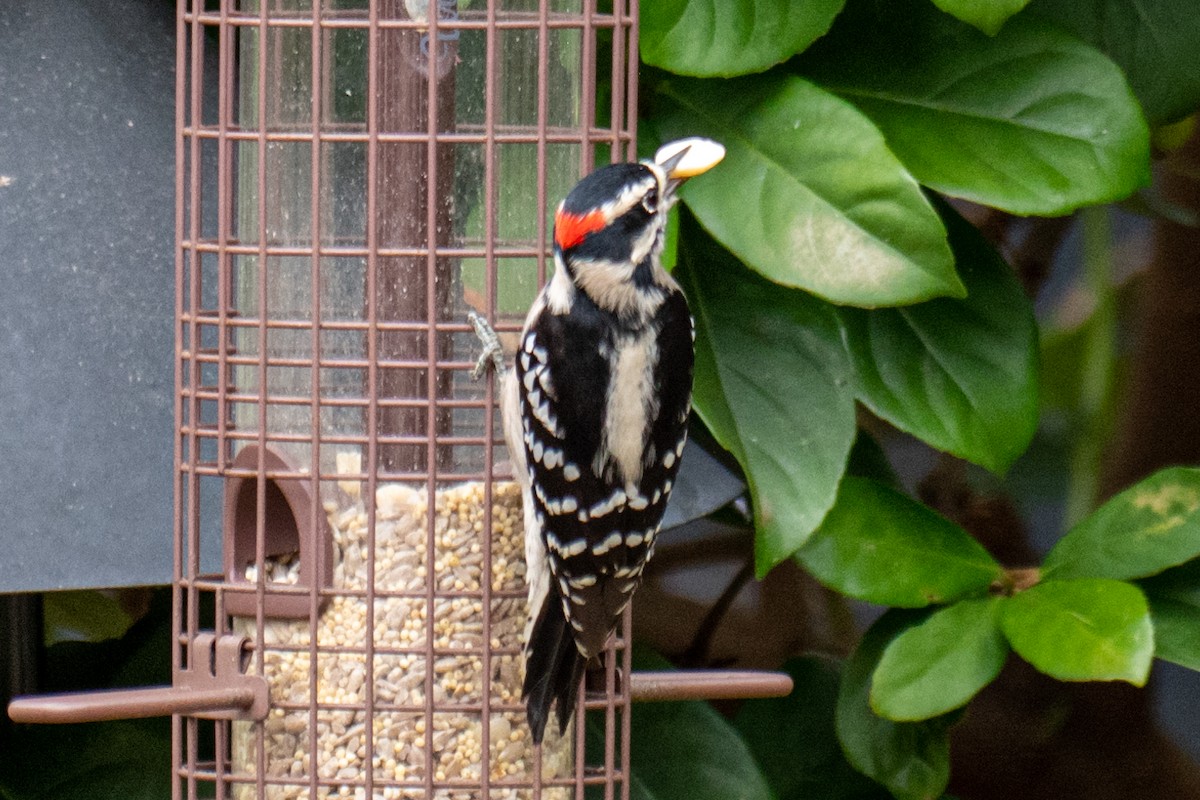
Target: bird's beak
{"x":687,"y":158}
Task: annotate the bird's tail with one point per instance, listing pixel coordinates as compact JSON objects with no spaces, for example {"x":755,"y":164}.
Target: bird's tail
{"x":553,"y":669}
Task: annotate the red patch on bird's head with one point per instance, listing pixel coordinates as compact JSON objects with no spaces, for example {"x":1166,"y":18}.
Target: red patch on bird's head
{"x":570,"y":229}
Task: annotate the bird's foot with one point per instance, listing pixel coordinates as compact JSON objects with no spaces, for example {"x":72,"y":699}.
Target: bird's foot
{"x":493,"y":352}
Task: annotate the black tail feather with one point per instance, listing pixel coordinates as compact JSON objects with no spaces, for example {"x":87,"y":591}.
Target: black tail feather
{"x":553,"y":669}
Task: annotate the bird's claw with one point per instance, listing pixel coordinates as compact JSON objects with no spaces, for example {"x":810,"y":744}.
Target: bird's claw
{"x":493,"y":352}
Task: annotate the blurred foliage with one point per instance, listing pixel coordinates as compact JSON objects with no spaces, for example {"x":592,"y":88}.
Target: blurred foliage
{"x":825,"y":272}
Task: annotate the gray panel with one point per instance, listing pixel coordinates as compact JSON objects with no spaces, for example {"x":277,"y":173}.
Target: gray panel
{"x":86,"y":306}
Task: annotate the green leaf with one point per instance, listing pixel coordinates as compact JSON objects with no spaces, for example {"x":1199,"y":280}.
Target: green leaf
{"x":1152,"y":525}
{"x":670,"y":253}
{"x":684,"y":751}
{"x":1156,"y":43}
{"x":1174,"y":598}
{"x":868,"y":460}
{"x":1176,"y":631}
{"x":1032,"y":121}
{"x":793,"y":738}
{"x":912,"y":759}
{"x":761,"y":352}
{"x":987,"y":15}
{"x":808,"y":195}
{"x":959,"y":374}
{"x":1090,"y":629}
{"x":879,"y":545}
{"x":940,"y":664}
{"x":1180,"y":583}
{"x":730,"y":37}
{"x":83,"y":616}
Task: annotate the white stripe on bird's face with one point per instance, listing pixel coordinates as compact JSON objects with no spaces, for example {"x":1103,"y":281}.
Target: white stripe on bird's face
{"x":631,"y":195}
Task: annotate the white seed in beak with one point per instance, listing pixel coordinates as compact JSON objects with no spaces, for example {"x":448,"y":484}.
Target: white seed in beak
{"x":701,"y":155}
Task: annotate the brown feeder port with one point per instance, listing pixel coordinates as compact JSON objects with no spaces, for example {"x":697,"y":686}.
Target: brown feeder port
{"x":350,"y":181}
{"x":294,"y":551}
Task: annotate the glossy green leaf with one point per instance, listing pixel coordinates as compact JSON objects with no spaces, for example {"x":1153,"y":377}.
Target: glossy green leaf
{"x":912,"y":759}
{"x":686,"y":750}
{"x":881,"y":546}
{"x":1180,"y":583}
{"x":729,"y":37}
{"x":940,"y":664}
{"x":1153,"y":525}
{"x":1155,"y":42}
{"x":1176,"y":631}
{"x":869,"y":460}
{"x":1174,"y":597}
{"x":959,"y":374}
{"x":987,"y":15}
{"x":670,"y":253}
{"x":1032,"y":121}
{"x":793,"y":739}
{"x":809,"y":195}
{"x":766,"y":355}
{"x":1089,"y":629}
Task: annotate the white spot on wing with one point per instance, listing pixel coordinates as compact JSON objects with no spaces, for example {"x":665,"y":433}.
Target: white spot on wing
{"x":606,"y":506}
{"x":545,"y":382}
{"x":610,"y":541}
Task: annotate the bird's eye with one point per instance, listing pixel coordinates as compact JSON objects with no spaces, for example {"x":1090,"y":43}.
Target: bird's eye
{"x":650,"y":201}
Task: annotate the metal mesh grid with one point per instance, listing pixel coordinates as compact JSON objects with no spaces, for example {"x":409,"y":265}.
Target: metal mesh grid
{"x":349,"y":180}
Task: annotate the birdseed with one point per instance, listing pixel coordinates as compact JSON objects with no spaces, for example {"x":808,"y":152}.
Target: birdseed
{"x":406,"y":746}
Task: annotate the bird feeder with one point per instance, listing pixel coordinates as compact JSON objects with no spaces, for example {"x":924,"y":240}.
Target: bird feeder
{"x":379,"y":168}
{"x":374,"y":173}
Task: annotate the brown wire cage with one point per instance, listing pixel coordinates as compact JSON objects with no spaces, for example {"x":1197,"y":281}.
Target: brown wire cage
{"x":351,"y":177}
{"x":379,"y":169}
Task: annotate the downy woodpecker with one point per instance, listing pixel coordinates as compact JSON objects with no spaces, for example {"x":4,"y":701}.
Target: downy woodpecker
{"x":595,"y":412}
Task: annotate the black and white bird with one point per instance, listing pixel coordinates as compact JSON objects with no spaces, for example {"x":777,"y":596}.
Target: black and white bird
{"x":595,"y":410}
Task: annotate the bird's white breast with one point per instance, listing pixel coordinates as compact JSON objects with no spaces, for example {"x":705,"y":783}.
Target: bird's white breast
{"x":630,"y":408}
